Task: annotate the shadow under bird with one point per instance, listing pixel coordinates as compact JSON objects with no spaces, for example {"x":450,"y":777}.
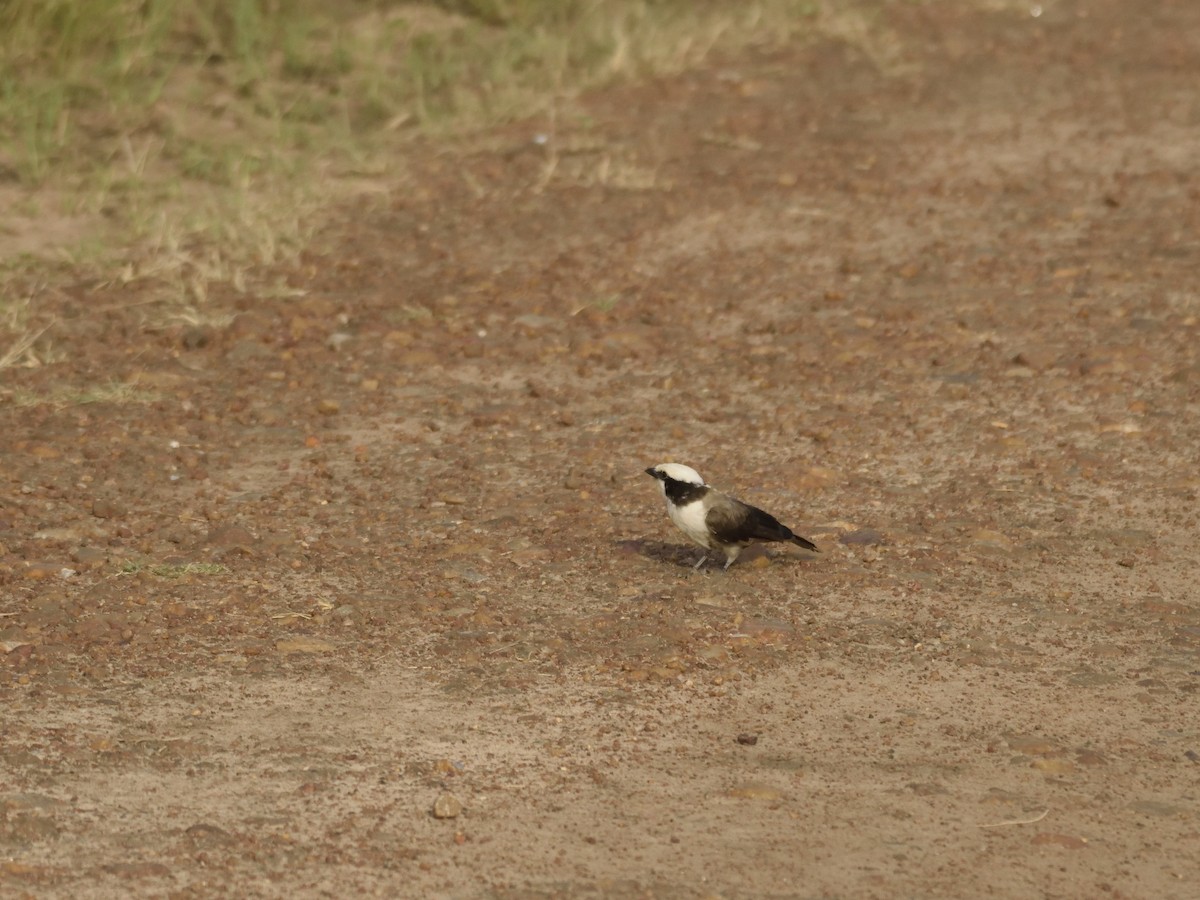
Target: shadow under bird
{"x":713,"y":520}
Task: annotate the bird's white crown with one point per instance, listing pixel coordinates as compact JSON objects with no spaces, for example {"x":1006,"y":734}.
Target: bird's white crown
{"x":678,"y":472}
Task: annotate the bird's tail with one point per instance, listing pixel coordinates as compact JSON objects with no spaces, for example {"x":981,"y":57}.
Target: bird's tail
{"x":805,"y":543}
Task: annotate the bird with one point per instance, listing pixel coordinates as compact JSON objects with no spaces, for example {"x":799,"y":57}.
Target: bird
{"x":713,"y":520}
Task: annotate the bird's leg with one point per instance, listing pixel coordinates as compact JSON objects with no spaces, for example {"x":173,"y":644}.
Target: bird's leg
{"x":730,"y":555}
{"x":700,"y":562}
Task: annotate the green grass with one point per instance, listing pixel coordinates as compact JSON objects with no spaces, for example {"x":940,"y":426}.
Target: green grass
{"x":192,"y":140}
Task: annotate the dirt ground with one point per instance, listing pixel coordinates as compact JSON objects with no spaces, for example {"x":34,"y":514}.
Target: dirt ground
{"x":377,"y":539}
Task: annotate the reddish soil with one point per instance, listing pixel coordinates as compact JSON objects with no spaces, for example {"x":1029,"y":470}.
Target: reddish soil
{"x":930,"y":297}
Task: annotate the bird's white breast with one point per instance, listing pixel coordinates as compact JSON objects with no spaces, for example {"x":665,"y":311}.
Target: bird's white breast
{"x":690,"y":520}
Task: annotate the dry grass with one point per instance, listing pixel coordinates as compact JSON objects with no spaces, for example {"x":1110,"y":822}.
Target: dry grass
{"x":172,"y":571}
{"x":188,"y":122}
{"x":182,"y":144}
{"x":116,"y":392}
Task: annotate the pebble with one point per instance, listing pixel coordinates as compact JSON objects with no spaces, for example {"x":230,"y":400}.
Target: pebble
{"x":447,"y":806}
{"x":107,"y":509}
{"x":196,"y":336}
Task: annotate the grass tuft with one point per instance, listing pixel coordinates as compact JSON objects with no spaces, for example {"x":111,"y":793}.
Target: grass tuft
{"x":180,"y":570}
{"x":135,"y":132}
{"x":115,"y":392}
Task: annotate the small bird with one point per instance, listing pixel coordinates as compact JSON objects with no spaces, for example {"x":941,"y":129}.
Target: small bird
{"x":714,"y":521}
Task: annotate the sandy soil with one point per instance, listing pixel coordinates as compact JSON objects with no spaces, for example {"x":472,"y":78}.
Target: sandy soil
{"x":931,"y":297}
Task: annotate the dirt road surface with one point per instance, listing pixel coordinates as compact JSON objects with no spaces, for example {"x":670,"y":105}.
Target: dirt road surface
{"x":374,"y":537}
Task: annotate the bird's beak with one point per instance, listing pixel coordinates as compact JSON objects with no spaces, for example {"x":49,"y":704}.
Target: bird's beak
{"x":652,"y":473}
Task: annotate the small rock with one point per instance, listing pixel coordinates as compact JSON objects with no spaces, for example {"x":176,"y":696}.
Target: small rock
{"x":748,"y":740}
{"x":107,"y":509}
{"x":328,"y":407}
{"x":196,"y":336}
{"x":337,"y":340}
{"x":447,"y":806}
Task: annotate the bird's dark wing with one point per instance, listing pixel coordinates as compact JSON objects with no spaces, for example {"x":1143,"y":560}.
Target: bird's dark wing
{"x":734,"y":522}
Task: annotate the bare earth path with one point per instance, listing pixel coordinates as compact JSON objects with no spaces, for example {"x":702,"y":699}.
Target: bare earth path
{"x":930,"y":296}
